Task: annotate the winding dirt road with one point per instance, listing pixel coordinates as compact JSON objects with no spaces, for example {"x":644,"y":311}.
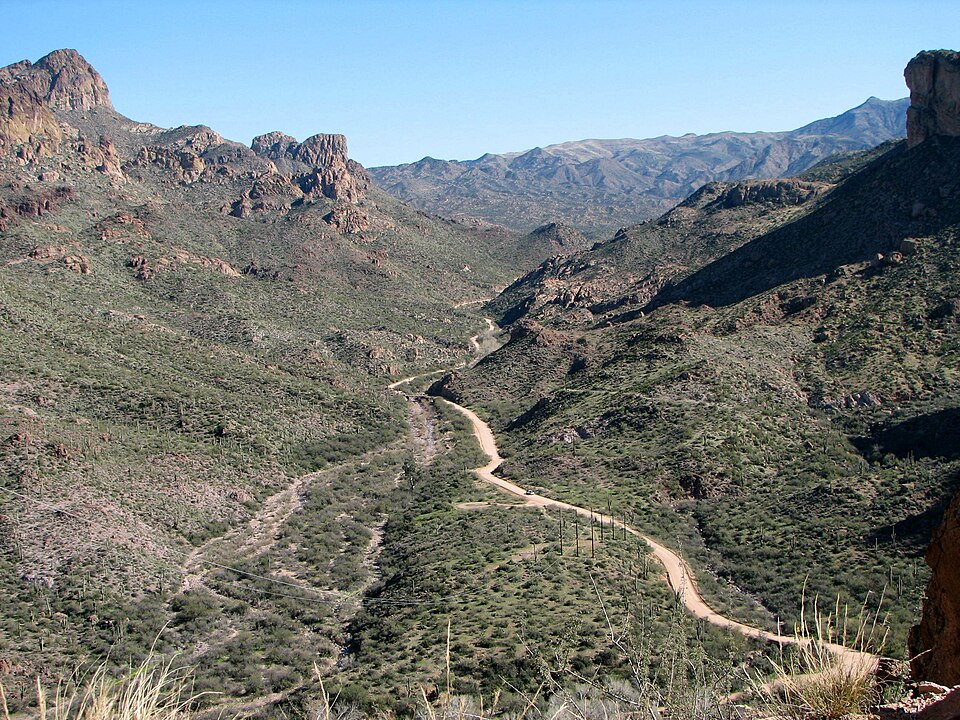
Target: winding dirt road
{"x":679,"y":576}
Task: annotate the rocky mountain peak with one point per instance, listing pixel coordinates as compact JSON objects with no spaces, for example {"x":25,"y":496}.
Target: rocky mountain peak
{"x":316,"y":151}
{"x":933,"y":77}
{"x":65,"y":81}
{"x":272,"y":144}
{"x":322,"y":149}
{"x":30,"y":92}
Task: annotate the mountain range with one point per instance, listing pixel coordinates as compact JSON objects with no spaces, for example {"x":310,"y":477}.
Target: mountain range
{"x":598,"y":186}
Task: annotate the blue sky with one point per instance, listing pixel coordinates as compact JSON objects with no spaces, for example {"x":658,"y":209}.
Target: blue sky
{"x":456,"y":79}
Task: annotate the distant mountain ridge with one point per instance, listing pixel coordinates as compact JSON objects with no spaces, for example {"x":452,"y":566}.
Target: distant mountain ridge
{"x":598,"y":185}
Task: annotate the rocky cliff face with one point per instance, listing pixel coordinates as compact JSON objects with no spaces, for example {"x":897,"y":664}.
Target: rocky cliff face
{"x":63,"y":80}
{"x":321,"y":161}
{"x":934,"y":81}
{"x":24,"y":119}
{"x":935,"y":642}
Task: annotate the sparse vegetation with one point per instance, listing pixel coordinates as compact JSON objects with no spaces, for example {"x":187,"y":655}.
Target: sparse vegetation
{"x":197,"y":436}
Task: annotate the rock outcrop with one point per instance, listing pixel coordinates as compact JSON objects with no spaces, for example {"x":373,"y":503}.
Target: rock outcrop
{"x":563,"y":238}
{"x":934,"y":81}
{"x":274,"y":145}
{"x":320,"y":161}
{"x":186,"y":166}
{"x":778,"y":192}
{"x":935,"y":642}
{"x":347,"y":219}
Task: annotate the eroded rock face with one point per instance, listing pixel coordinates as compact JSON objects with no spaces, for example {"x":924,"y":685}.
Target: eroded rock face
{"x":347,"y":219}
{"x":935,"y":642}
{"x":24,"y":116}
{"x":321,"y":150}
{"x":62,"y":79}
{"x":321,"y":161}
{"x":185,"y":165}
{"x":273,"y":145}
{"x":934,"y":81}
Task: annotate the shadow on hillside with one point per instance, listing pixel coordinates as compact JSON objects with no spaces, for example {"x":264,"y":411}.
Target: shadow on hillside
{"x":916,"y":531}
{"x":932,"y":435}
{"x":902,"y":193}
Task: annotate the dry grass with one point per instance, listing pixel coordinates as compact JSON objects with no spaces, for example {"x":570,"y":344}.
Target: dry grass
{"x":821,"y":680}
{"x":153,"y":691}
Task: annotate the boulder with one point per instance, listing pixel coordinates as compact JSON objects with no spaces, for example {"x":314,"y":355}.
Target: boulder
{"x":910,"y":246}
{"x":78,"y":264}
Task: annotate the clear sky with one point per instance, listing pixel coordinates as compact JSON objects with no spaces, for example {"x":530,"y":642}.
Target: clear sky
{"x":453,"y":80}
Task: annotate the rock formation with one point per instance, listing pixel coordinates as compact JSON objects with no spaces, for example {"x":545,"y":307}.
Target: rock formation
{"x":935,"y":642}
{"x":31,"y":92}
{"x":347,"y":219}
{"x":321,"y":150}
{"x":274,"y":145}
{"x":779,"y":192}
{"x":934,"y":81}
{"x":185,"y":165}
{"x":321,"y":162}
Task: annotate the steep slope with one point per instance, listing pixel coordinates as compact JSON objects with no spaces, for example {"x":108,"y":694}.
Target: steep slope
{"x":599,"y":185}
{"x":902,"y":195}
{"x":758,"y":388}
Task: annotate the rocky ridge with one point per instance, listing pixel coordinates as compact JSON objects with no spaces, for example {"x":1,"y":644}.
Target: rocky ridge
{"x":631,"y":268}
{"x":61,"y":103}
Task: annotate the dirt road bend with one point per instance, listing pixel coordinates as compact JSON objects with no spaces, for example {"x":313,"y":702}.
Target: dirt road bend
{"x":679,"y":575}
